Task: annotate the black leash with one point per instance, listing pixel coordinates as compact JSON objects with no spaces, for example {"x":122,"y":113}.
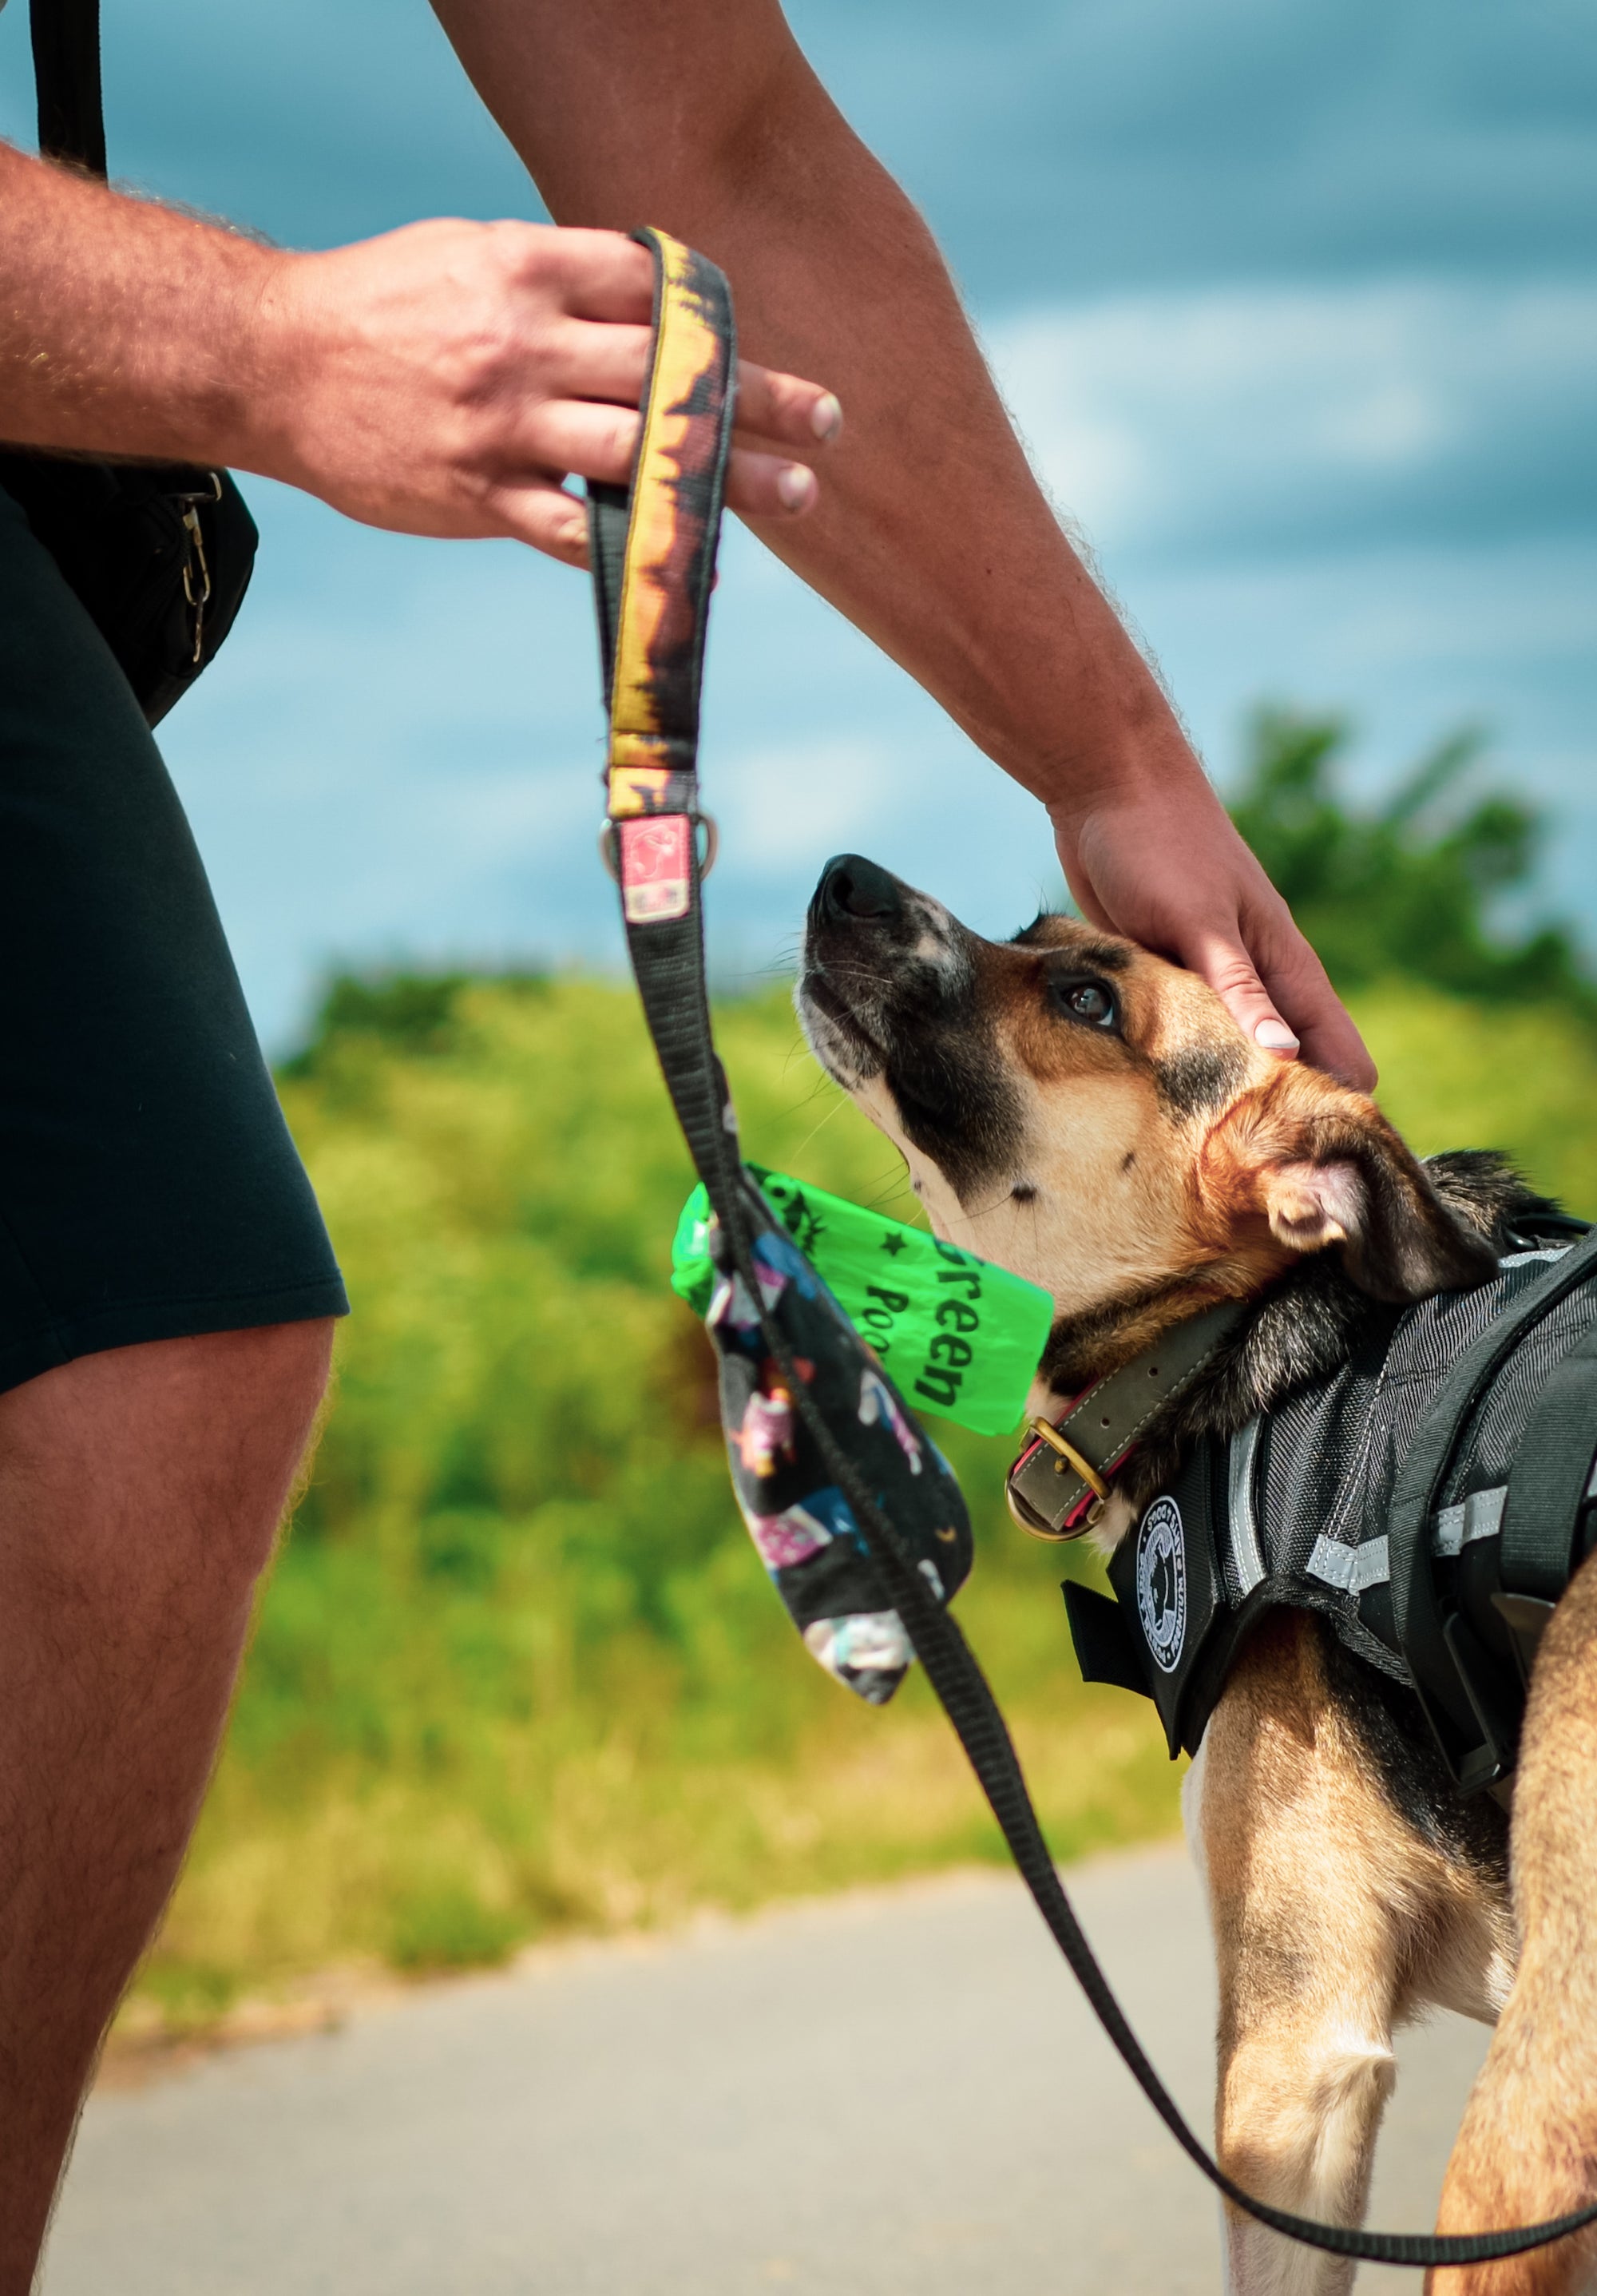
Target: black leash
{"x":653,"y":549}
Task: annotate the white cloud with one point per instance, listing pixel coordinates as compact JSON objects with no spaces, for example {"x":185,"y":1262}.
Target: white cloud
{"x":1220,"y":414}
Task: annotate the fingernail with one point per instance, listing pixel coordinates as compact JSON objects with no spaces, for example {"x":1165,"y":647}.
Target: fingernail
{"x":1275,"y":1037}
{"x":795,"y":487}
{"x":826,"y":418}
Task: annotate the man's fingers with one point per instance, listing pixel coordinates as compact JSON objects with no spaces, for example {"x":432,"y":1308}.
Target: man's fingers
{"x":608,"y":281}
{"x":612,"y":364}
{"x":772,"y":404}
{"x":599,"y":274}
{"x":766,"y":486}
{"x":537,"y":511}
{"x":598,"y":442}
{"x":1230,"y":973}
{"x":1304,"y":1017}
{"x":1302,"y":991}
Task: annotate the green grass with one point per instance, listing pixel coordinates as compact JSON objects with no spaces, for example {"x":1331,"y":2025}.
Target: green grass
{"x":518,"y":1671}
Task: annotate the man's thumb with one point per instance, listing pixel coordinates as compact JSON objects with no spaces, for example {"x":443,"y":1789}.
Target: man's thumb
{"x":1233,"y":979}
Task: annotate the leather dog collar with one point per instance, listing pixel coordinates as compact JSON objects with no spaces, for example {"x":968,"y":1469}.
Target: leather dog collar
{"x":1060,"y":1484}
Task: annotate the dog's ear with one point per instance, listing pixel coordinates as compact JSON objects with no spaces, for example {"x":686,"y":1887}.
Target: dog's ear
{"x":1326,"y":1168}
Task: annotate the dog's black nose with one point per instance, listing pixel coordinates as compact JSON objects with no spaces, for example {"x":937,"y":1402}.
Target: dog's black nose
{"x":851,"y":886}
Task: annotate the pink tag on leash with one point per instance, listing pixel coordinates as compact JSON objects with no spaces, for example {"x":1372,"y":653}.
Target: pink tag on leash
{"x":655,"y":883}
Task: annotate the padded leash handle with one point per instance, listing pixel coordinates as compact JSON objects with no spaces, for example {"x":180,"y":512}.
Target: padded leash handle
{"x":653,"y":547}
{"x":653,"y":550}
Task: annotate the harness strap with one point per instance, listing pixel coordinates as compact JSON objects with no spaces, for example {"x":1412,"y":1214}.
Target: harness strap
{"x":1449,"y":1668}
{"x":1047,"y":1490}
{"x":1551,"y":1480}
{"x":654,"y":651}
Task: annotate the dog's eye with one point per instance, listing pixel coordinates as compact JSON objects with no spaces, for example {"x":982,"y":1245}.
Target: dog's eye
{"x":1087,"y":1000}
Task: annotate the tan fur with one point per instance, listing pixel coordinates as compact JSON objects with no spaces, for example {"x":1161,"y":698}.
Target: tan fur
{"x":1528,"y":2149}
{"x":1334,"y":1919}
{"x":1334,"y":1923}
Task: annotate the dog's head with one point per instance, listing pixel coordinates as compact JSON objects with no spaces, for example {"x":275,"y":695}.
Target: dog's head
{"x":1090,"y":1116}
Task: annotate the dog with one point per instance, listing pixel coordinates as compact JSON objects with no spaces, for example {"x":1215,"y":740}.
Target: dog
{"x":1090,"y":1116}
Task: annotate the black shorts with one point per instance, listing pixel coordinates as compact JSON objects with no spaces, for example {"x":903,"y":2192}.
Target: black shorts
{"x":149,"y":1189}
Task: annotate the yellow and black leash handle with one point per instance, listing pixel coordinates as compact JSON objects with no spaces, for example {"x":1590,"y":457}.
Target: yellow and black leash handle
{"x":653,"y":558}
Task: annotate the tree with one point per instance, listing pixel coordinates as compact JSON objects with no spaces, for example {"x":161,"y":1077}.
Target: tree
{"x":1411,"y":887}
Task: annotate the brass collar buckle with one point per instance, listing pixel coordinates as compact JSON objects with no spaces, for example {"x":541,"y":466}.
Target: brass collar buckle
{"x":1034,"y":1515}
{"x":1069,"y":1456}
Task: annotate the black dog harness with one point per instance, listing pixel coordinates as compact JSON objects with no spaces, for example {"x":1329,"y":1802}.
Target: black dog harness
{"x":1431,"y":1499}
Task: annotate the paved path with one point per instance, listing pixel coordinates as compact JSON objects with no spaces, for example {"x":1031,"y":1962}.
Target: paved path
{"x":894,"y":2094}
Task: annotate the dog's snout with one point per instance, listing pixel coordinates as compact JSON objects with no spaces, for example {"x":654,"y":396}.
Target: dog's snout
{"x":853,"y":887}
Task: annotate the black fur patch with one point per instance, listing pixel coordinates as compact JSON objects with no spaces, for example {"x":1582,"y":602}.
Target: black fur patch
{"x":1200,"y":1082}
{"x":956,"y":1101}
{"x":1078,"y":1344}
{"x":1098,"y":956}
{"x":1387,"y":1717}
{"x":1089,"y":955}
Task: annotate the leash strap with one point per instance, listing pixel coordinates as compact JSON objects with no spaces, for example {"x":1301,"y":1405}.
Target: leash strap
{"x":653,"y":568}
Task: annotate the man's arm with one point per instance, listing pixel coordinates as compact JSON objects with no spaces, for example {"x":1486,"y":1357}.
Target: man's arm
{"x":442,"y":379}
{"x":932,"y":535}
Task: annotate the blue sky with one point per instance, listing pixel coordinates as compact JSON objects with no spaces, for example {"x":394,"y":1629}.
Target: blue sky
{"x":1296,"y":306}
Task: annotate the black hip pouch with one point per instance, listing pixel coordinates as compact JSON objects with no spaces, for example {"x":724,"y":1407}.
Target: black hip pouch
{"x":158,"y":554}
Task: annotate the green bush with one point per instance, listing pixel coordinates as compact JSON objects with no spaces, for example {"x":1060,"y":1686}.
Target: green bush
{"x":1414,"y":887}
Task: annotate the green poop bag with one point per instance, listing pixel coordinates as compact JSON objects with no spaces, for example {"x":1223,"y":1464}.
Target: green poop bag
{"x":960,"y":1337}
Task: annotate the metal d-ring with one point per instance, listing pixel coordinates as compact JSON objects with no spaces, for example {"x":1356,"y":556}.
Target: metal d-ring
{"x":607,"y":833}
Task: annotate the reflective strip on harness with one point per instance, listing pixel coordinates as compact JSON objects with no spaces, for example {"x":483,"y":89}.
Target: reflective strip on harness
{"x":1353,"y":1569}
{"x":1480,"y":1516}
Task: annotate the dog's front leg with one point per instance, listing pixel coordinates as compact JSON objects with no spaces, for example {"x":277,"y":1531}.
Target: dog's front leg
{"x":1306,"y":1958}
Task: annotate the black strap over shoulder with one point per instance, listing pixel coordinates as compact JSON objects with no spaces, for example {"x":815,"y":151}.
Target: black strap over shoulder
{"x":653,"y":587}
{"x":1453,"y":1674}
{"x":159,"y":555}
{"x":65,"y":35}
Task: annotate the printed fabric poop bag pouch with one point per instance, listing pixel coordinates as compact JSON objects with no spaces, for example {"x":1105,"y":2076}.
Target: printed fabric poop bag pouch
{"x":797,"y":1518}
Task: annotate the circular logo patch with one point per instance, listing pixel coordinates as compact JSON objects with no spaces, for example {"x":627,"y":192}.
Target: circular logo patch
{"x":1162,"y":1582}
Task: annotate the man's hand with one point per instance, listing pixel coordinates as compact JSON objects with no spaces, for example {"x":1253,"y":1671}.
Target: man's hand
{"x":1162,"y":863}
{"x":446,"y":378}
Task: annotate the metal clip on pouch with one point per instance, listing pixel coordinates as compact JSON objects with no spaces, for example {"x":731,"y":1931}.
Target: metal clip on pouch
{"x":858,"y":1519}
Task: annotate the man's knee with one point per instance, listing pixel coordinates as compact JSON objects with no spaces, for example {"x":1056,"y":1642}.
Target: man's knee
{"x":170,"y":1463}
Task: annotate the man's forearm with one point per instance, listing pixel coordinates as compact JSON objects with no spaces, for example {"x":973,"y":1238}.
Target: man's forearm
{"x":931,"y":535}
{"x":124,"y":328}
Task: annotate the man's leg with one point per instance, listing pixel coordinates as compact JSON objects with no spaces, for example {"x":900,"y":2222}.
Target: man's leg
{"x":140,"y":1492}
